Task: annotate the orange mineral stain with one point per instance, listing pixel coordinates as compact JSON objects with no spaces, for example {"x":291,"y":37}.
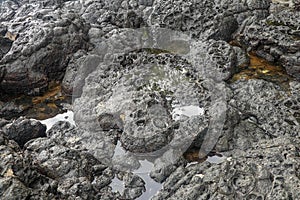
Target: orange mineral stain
{"x":43,"y":106}
{"x":260,"y":68}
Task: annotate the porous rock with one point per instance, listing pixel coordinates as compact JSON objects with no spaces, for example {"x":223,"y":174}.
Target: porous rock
{"x":47,"y":37}
{"x":22,"y":130}
{"x":275,"y":38}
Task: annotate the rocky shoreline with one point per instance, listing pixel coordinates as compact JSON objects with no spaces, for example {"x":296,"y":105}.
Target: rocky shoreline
{"x":216,"y":77}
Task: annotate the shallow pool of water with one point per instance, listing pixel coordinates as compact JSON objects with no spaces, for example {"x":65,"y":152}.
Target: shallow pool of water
{"x":67,"y":116}
{"x":188,"y":111}
{"x":152,"y":187}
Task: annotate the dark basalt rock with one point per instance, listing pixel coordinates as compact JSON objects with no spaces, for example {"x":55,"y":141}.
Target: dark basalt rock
{"x":49,"y":170}
{"x":78,"y":174}
{"x":263,"y":171}
{"x":9,"y":110}
{"x":133,"y":102}
{"x":3,"y":122}
{"x":18,"y":177}
{"x":2,"y":73}
{"x":265,"y":104}
{"x":140,"y":96}
{"x":22,"y":130}
{"x":259,"y":110}
{"x":5,"y":45}
{"x":43,"y":47}
{"x":275,"y":38}
{"x":72,"y":70}
{"x":206,"y":19}
{"x":221,"y":59}
{"x":50,"y":45}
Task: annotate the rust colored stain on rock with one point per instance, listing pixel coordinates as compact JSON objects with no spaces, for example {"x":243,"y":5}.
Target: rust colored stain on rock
{"x":48,"y":105}
{"x":192,"y":155}
{"x":43,"y":106}
{"x":260,"y":68}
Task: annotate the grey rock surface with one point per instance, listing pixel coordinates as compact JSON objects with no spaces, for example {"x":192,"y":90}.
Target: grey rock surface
{"x":47,"y":36}
{"x":2,"y":73}
{"x":5,"y":43}
{"x":206,"y":19}
{"x":249,"y":174}
{"x":19,"y":178}
{"x":259,"y":110}
{"x":11,"y":109}
{"x":132,"y":95}
{"x":57,"y":29}
{"x":71,"y":71}
{"x":275,"y":38}
{"x":22,"y":130}
{"x":130,"y":100}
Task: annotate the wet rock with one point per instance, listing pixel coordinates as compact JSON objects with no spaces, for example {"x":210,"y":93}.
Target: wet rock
{"x":47,"y":37}
{"x":6,"y":44}
{"x":137,"y":101}
{"x":145,"y":118}
{"x":78,"y":174}
{"x":19,"y":178}
{"x":206,"y":19}
{"x":71,"y":71}
{"x":245,"y":174}
{"x":258,"y":158}
{"x":275,"y":38}
{"x":2,"y":73}
{"x":22,"y":130}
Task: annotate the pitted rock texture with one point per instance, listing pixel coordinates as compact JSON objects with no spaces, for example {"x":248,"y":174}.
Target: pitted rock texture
{"x":221,"y":59}
{"x":67,"y":154}
{"x":276,"y":116}
{"x":251,"y":174}
{"x":19,"y":179}
{"x":206,"y":19}
{"x":275,"y":38}
{"x":22,"y":130}
{"x":259,"y":110}
{"x":138,"y":94}
{"x":49,"y":169}
{"x":73,"y":170}
{"x":48,"y":32}
{"x":47,"y":37}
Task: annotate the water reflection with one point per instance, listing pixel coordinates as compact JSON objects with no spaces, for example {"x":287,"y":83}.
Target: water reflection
{"x":216,"y":159}
{"x":143,"y":171}
{"x":67,"y":116}
{"x":188,"y":111}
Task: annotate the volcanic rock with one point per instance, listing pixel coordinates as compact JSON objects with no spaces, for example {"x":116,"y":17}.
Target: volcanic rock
{"x":22,"y":130}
